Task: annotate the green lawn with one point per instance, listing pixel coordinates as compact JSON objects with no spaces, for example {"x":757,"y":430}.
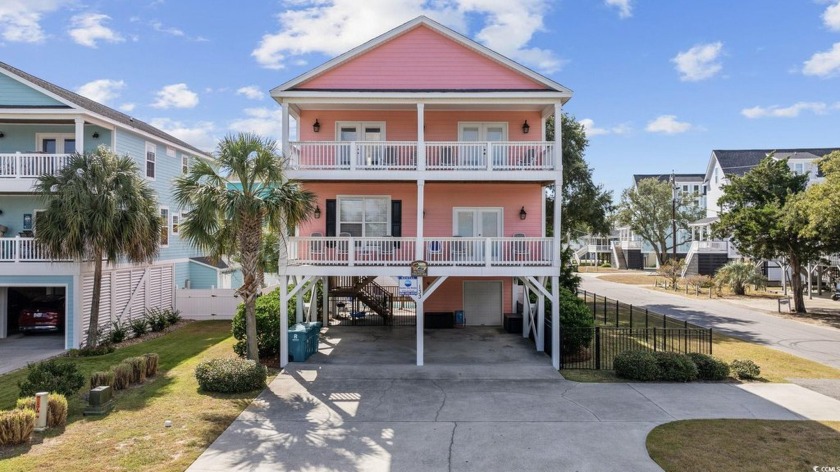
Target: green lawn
{"x":132,"y":437}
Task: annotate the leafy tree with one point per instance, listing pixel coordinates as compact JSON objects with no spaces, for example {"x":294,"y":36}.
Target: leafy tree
{"x":585,"y":205}
{"x":647,"y":209}
{"x":821,"y":204}
{"x":738,"y":276}
{"x":672,"y":270}
{"x":98,"y":207}
{"x":231,"y":202}
{"x":763,"y":215}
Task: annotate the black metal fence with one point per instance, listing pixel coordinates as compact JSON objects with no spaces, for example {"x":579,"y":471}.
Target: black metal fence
{"x":621,"y":327}
{"x":350,"y":311}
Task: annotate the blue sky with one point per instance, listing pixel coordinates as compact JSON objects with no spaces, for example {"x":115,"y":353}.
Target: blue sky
{"x":659,"y":84}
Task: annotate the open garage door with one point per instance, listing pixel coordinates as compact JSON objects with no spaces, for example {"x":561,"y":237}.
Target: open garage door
{"x":483,"y":303}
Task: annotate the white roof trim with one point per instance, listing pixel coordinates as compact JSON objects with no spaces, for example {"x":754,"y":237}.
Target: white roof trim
{"x":405,"y":27}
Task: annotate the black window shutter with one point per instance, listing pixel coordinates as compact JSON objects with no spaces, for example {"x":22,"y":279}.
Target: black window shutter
{"x":396,"y":218}
{"x":331,"y":218}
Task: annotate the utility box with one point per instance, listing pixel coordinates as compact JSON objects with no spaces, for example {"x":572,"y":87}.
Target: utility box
{"x":100,"y":401}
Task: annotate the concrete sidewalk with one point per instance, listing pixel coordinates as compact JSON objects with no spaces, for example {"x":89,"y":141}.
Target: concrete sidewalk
{"x":476,"y":418}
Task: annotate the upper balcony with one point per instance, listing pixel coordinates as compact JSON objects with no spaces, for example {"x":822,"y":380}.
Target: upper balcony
{"x":19,"y":171}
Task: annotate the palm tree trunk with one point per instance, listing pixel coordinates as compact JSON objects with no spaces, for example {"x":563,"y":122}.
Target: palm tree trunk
{"x":93,"y":325}
{"x":250,"y":240}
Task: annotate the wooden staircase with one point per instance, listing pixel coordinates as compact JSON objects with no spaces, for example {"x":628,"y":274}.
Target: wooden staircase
{"x":373,"y":295}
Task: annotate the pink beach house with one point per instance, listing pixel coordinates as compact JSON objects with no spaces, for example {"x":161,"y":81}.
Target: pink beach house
{"x":423,"y":145}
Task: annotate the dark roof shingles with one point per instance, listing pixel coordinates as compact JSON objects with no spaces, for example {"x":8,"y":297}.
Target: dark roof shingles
{"x":739,"y":162}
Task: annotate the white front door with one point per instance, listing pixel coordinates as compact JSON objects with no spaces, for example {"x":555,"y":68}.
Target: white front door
{"x":360,"y":131}
{"x":483,"y":303}
{"x":477,"y":222}
{"x":481,"y":132}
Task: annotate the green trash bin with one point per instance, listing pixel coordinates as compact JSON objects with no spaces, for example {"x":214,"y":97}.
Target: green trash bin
{"x":313,"y":331}
{"x":298,"y":337}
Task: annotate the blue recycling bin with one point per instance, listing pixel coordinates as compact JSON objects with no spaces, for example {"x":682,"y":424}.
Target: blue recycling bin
{"x":298,"y":340}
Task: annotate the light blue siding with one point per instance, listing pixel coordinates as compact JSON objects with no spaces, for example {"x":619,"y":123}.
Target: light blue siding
{"x":181,"y":273}
{"x":14,"y":207}
{"x":70,"y":314}
{"x":23,"y":138}
{"x":14,"y":93}
{"x":236,"y":279}
{"x":202,"y":276}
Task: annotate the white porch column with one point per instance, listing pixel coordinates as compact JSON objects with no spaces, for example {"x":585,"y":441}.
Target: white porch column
{"x":555,"y":322}
{"x":418,"y":247}
{"x":284,"y":325}
{"x":541,"y":321}
{"x":558,"y":182}
{"x":285,"y":130}
{"x":313,"y":301}
{"x":80,"y":136}
{"x":325,"y":315}
{"x":526,"y":310}
{"x":421,"y":137}
{"x":298,"y":303}
{"x":418,"y":309}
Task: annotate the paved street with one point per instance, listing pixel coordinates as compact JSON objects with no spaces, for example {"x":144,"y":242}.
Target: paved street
{"x":817,"y":343}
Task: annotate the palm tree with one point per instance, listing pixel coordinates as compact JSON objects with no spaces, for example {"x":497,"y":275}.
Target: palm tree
{"x":737,"y":275}
{"x":232,"y":201}
{"x":98,"y":207}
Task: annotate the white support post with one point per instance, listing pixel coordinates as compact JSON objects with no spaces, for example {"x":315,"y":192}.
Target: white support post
{"x":298,"y":302}
{"x":284,"y":326}
{"x":541,"y":321}
{"x":558,"y":183}
{"x":418,"y":301}
{"x":526,"y":320}
{"x":419,"y":247}
{"x":421,"y":137}
{"x":810,"y":286}
{"x":313,"y":301}
{"x":555,"y":322}
{"x":488,"y":152}
{"x":353,"y":155}
{"x":284,"y":131}
{"x":80,"y":136}
{"x":325,"y":315}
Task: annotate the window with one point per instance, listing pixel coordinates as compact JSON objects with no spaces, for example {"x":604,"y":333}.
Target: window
{"x":176,"y":222}
{"x":55,"y":143}
{"x":170,"y":151}
{"x":164,"y":227}
{"x":150,"y":160}
{"x":799,"y":168}
{"x":185,"y":164}
{"x":716,"y":175}
{"x":685,"y":188}
{"x":364,"y":216}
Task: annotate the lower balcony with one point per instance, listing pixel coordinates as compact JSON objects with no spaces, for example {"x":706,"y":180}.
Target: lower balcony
{"x":22,"y":249}
{"x":437,"y":252}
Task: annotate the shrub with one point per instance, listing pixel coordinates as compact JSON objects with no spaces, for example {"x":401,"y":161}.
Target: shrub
{"x":123,"y":373}
{"x":745,"y":369}
{"x":56,"y":409}
{"x":16,"y":426}
{"x":576,"y":321}
{"x":119,"y":331}
{"x":675,"y":367}
{"x":738,"y":276}
{"x":52,"y":376}
{"x":152,"y":360}
{"x":91,"y":351}
{"x":138,"y":368}
{"x":636,"y":365}
{"x":708,"y":367}
{"x":230,"y":375}
{"x":268,"y":324}
{"x":156,"y":319}
{"x":173,"y":316}
{"x":98,"y":379}
{"x":139,"y":326}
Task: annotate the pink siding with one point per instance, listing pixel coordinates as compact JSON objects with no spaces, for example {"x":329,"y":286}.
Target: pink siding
{"x":441,"y":198}
{"x":421,"y":59}
{"x":450,"y":295}
{"x":402,"y":125}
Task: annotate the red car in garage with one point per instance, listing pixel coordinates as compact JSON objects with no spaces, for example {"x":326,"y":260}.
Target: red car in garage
{"x":43,"y":314}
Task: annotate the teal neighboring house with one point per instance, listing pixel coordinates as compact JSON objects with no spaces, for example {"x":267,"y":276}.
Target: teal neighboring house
{"x":41,"y":125}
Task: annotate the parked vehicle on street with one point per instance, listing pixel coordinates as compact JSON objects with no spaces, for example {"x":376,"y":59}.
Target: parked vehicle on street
{"x":44,"y":313}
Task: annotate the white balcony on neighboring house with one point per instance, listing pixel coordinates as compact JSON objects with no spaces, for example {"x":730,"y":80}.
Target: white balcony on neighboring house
{"x":387,"y":159}
{"x":438,"y":252}
{"x":20,"y":249}
{"x":20,"y":171}
{"x":629,"y":245}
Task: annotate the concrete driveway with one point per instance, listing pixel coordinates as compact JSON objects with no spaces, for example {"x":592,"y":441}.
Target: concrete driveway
{"x":514,"y":415}
{"x":18,"y":350}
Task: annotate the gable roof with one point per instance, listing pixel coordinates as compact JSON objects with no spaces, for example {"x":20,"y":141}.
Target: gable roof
{"x":739,"y":162}
{"x":96,"y":107}
{"x":549,"y":84}
{"x":667,"y":177}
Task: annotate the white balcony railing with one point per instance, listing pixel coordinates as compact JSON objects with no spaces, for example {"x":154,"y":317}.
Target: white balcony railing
{"x":630,"y":244}
{"x":390,"y":251}
{"x":32,"y":165}
{"x":20,"y":249}
{"x":709,"y":246}
{"x":403,"y":155}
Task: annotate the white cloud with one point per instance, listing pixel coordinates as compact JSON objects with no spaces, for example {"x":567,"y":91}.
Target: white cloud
{"x":592,"y":130}
{"x":173,"y":31}
{"x":88,"y":28}
{"x":263,"y":121}
{"x":624,"y":7}
{"x":667,"y":124}
{"x":251,"y":92}
{"x":331,"y":28}
{"x":775,"y":111}
{"x":202,"y":134}
{"x":823,"y":64}
{"x":128,"y":107}
{"x":20,"y":20}
{"x":700,"y":62}
{"x":102,"y":90}
{"x":176,"y":96}
{"x":831,"y":16}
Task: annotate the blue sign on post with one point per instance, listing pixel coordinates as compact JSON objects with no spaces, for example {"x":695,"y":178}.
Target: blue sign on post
{"x":409,"y":287}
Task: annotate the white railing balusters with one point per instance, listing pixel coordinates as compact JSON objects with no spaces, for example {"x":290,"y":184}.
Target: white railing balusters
{"x":31,"y":165}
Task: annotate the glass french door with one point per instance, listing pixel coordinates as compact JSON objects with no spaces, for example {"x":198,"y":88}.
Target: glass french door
{"x":478,"y":223}
{"x":481,"y":132}
{"x":357,"y":131}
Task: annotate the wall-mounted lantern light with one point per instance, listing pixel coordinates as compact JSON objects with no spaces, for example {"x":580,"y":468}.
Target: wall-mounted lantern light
{"x":523,"y":214}
{"x":316,"y":127}
{"x":526,"y":127}
{"x":95,"y":135}
{"x":317,"y":212}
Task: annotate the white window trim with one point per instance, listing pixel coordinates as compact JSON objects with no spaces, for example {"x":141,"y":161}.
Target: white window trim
{"x":482,"y":129}
{"x":185,"y":163}
{"x":170,"y":152}
{"x":168,"y":225}
{"x":501,"y":210}
{"x":59,"y":140}
{"x":338,"y":199}
{"x":172,"y":226}
{"x":146,"y":161}
{"x":360,"y":128}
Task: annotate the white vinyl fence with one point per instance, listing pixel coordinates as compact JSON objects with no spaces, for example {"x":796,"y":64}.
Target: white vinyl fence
{"x":207,"y":304}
